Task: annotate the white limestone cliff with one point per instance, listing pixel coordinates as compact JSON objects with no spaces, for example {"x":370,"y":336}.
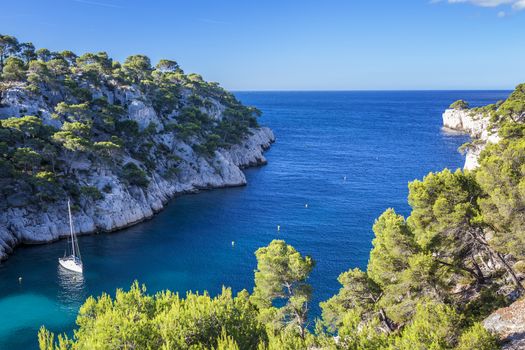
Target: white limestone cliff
{"x":122,"y":205}
{"x":477,"y":126}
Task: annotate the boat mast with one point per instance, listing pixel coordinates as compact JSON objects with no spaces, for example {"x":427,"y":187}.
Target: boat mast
{"x":71,"y":229}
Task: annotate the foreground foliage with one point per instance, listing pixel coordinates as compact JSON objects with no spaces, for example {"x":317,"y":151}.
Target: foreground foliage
{"x":164,"y":321}
{"x":273,"y":317}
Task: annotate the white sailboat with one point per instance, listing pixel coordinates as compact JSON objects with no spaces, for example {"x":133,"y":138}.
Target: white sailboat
{"x":71,"y":260}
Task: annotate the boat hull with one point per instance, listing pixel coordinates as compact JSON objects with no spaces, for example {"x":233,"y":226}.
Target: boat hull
{"x":71,"y":264}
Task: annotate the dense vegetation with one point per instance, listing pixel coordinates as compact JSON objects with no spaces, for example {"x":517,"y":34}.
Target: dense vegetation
{"x":40,"y":153}
{"x":274,"y":316}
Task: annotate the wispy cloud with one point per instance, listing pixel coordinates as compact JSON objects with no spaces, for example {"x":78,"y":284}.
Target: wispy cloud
{"x":515,"y":5}
{"x":484,"y":3}
{"x":519,"y":5}
{"x":97,"y":3}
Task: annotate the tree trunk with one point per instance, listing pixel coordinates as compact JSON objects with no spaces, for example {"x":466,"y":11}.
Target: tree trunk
{"x":385,"y":320}
{"x":479,"y":237}
{"x":480,"y":277}
{"x":301,"y":322}
{"x":511,"y":273}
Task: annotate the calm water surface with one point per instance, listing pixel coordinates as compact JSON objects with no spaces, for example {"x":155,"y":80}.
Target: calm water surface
{"x":379,"y":140}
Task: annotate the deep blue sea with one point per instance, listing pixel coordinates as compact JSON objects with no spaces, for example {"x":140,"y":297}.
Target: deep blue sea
{"x":379,"y":141}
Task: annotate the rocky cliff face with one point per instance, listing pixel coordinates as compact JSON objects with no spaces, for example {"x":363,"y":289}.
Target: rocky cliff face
{"x":476,"y":125}
{"x":122,"y":204}
{"x":509,"y":324}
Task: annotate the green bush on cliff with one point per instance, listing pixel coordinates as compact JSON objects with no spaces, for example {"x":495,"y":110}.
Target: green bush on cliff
{"x":88,"y":101}
{"x":26,"y":159}
{"x":28,"y":126}
{"x":512,"y":110}
{"x":9,"y":46}
{"x":14,"y":70}
{"x":91,"y":192}
{"x":135,"y":175}
{"x":459,"y":104}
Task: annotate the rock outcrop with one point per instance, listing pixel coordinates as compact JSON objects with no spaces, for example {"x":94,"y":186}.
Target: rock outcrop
{"x":477,"y":126}
{"x":175,"y":165}
{"x":509,"y":324}
{"x":122,"y":206}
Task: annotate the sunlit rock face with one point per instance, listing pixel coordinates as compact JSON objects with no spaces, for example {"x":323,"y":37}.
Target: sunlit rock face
{"x":476,"y":125}
{"x":123,"y":205}
{"x":509,"y":324}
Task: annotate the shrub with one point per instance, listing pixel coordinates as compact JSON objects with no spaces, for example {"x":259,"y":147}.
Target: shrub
{"x":128,"y":128}
{"x":136,"y":320}
{"x":134,"y":175}
{"x":520,"y":266}
{"x":14,"y":70}
{"x":91,"y":192}
{"x":477,"y":338}
{"x":459,"y":104}
{"x":45,"y":176}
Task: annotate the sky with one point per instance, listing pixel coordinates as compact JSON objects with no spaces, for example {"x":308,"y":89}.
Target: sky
{"x":294,"y":44}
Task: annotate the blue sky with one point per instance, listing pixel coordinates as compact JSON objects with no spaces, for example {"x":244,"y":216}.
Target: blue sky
{"x":295,"y":44}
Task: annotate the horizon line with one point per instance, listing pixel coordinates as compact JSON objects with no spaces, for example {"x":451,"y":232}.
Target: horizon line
{"x":362,"y":90}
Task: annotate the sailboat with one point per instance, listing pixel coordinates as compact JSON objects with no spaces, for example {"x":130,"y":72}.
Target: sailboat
{"x":71,"y":260}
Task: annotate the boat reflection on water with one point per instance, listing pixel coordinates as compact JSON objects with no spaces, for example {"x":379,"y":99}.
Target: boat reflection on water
{"x":72,"y":292}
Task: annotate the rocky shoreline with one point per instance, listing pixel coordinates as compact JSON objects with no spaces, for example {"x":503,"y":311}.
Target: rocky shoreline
{"x":474,"y":124}
{"x":124,"y":207}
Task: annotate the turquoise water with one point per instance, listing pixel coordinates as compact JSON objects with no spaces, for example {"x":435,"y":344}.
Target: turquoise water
{"x":379,"y":140}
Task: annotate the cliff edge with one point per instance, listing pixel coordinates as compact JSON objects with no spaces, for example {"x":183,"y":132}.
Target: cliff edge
{"x":118,"y":139}
{"x":122,"y":206}
{"x":476,"y":125}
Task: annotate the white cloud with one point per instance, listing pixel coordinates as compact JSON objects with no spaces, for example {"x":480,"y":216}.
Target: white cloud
{"x":515,"y":5}
{"x":486,"y":3}
{"x":519,"y":5}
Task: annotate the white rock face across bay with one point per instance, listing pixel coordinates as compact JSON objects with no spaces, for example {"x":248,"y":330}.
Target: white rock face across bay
{"x":475,"y":125}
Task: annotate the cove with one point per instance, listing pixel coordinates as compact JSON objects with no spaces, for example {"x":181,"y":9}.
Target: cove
{"x":379,"y":141}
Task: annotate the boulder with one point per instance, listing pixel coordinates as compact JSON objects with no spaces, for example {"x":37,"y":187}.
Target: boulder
{"x":509,"y":324}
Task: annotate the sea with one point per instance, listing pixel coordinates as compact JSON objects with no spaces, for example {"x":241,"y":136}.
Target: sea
{"x":340,"y":159}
